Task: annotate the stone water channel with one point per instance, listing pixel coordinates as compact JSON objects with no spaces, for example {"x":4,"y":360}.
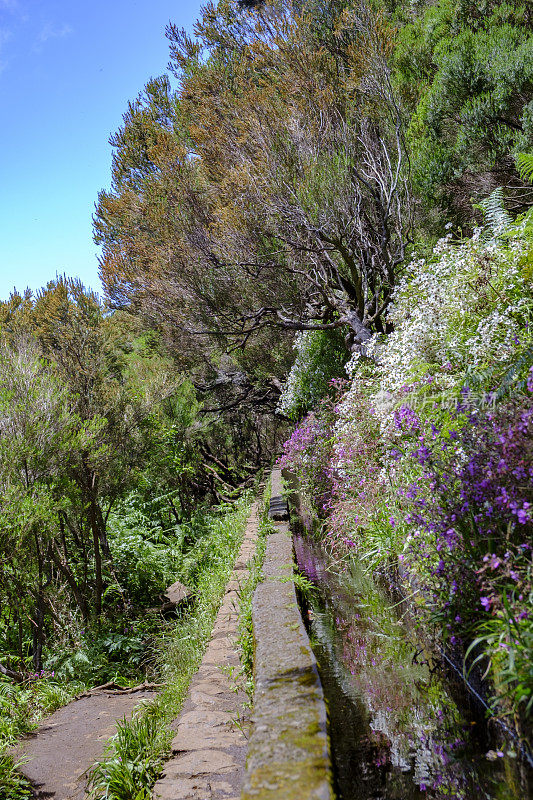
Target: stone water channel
{"x":396,"y":731}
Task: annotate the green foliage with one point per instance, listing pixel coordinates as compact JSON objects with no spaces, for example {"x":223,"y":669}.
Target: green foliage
{"x":146,"y":558}
{"x":13,"y":785}
{"x":301,"y":582}
{"x":524,"y":165}
{"x":137,"y":752}
{"x":121,"y":650}
{"x":91,"y":415}
{"x":320,"y":358}
{"x":137,"y":758}
{"x":465,"y":71}
{"x":497,"y":219}
{"x":503,"y":646}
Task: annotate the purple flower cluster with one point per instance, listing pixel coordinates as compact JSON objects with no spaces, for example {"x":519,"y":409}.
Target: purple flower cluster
{"x":36,"y":676}
{"x":308,"y":453}
{"x":405,"y":419}
{"x":474,"y":499}
{"x":458,"y":484}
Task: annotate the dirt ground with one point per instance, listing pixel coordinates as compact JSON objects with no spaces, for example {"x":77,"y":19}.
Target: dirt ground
{"x":60,"y":752}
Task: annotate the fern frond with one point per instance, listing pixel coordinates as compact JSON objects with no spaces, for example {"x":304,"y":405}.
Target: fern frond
{"x":524,"y":165}
{"x":497,"y":218}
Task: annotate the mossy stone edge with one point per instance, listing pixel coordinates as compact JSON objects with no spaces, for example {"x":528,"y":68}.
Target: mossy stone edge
{"x":288,"y":754}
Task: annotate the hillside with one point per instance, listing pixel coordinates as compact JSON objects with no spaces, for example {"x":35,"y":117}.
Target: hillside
{"x":318,"y":241}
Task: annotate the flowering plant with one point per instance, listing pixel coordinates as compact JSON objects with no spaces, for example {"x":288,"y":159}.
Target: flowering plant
{"x":426,"y":460}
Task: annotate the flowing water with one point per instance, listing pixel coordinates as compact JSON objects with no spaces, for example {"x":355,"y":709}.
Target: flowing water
{"x":396,"y":731}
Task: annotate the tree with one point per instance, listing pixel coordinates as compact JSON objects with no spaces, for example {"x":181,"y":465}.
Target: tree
{"x":79,"y":422}
{"x":39,"y":431}
{"x":271,"y":190}
{"x":465,"y":71}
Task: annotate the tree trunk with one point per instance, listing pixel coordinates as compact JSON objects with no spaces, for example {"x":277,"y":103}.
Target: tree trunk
{"x":38,"y":633}
{"x":18,"y":677}
{"x":38,"y":616}
{"x":67,"y":573}
{"x":99,"y":587}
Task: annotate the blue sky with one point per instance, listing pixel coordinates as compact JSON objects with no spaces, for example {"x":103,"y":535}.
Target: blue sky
{"x":67,"y":70}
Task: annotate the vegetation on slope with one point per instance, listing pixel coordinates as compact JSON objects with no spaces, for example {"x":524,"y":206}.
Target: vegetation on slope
{"x":286,"y":187}
{"x":424,"y":462}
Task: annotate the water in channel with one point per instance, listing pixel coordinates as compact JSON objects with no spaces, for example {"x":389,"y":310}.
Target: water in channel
{"x":396,"y":731}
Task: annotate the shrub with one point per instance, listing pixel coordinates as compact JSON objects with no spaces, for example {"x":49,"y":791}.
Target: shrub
{"x":320,"y":359}
{"x":425,"y":462}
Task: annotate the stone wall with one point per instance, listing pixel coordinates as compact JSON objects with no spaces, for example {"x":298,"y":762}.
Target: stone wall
{"x":288,"y":756}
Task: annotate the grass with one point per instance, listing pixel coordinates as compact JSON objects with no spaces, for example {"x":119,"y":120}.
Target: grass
{"x":13,"y":785}
{"x":21,"y":708}
{"x":245,"y":634}
{"x":140,"y":747}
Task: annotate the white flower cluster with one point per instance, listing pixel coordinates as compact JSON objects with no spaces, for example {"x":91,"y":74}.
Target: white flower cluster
{"x":297,"y":386}
{"x":470,"y":305}
{"x":289,"y":394}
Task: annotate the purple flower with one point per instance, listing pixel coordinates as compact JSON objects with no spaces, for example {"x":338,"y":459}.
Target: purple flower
{"x":522,"y":516}
{"x":486,"y":603}
{"x":412,"y":491}
{"x":405,"y":419}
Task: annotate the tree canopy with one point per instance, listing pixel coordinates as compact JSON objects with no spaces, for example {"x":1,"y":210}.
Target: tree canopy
{"x":270,"y":190}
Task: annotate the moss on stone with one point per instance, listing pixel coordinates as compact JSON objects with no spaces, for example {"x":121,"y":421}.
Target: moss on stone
{"x":302,"y":780}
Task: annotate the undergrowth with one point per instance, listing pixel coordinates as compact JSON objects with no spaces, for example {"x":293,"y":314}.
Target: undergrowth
{"x":138,"y":751}
{"x":245,"y":635}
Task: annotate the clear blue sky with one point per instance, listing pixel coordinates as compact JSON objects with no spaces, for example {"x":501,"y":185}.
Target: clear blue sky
{"x":67,"y":70}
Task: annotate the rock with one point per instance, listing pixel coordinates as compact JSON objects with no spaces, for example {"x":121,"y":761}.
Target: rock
{"x":278,"y":509}
{"x":176,"y":594}
{"x":201,"y":762}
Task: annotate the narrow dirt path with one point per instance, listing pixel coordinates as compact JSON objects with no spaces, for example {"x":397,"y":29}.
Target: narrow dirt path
{"x":209,"y":749}
{"x":67,"y":743}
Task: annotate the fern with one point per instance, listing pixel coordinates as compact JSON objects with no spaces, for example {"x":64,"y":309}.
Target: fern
{"x":504,"y":380}
{"x":497,"y":218}
{"x":524,"y":165}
